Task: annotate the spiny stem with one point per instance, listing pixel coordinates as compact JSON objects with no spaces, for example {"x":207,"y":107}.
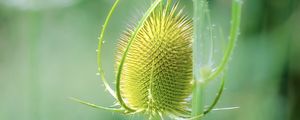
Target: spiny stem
{"x":100,"y":70}
{"x":198,"y":93}
{"x":234,"y":31}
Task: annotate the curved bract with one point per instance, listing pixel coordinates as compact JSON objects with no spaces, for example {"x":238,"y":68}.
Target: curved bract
{"x":99,"y":50}
{"x":157,"y":72}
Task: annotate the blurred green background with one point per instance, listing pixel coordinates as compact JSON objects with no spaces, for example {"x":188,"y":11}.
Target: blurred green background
{"x":47,"y":54}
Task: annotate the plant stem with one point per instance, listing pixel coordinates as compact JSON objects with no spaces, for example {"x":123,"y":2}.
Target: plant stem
{"x":198,"y":99}
{"x":198,"y":93}
{"x":234,"y":32}
{"x":99,"y":50}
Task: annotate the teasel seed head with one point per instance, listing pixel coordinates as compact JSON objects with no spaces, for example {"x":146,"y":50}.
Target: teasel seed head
{"x":157,"y":72}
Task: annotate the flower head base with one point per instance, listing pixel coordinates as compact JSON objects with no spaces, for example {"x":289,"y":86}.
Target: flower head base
{"x":157,"y":72}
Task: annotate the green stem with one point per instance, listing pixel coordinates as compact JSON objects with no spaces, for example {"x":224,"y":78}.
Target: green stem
{"x":97,"y":106}
{"x":100,"y":70}
{"x":234,"y":31}
{"x":217,"y":98}
{"x":198,"y":99}
{"x":198,"y":93}
{"x":214,"y":103}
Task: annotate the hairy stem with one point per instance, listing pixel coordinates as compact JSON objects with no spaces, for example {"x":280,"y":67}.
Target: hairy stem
{"x":100,"y":70}
{"x":198,"y":93}
{"x":234,"y":32}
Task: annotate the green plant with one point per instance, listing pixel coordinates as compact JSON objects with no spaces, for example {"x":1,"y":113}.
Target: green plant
{"x":157,"y":61}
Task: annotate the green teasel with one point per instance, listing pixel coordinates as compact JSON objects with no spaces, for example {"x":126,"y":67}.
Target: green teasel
{"x":154,"y":63}
{"x":157,"y":73}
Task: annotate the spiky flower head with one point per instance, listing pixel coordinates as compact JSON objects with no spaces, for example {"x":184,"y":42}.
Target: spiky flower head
{"x":157,"y":72}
